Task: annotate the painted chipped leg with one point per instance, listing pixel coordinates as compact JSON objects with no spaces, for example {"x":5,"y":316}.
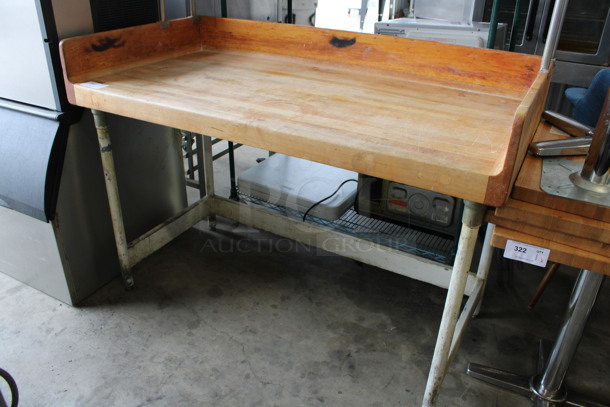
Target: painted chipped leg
{"x":112,"y":191}
{"x":471,"y":222}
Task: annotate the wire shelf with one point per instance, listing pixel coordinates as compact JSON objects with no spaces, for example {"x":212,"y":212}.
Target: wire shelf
{"x":417,"y":242}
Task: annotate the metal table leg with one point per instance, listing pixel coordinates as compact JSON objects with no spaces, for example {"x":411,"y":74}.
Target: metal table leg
{"x":546,"y":388}
{"x":200,"y":169}
{"x":233,"y":194}
{"x":208,"y":167}
{"x":471,"y":222}
{"x":112,"y":190}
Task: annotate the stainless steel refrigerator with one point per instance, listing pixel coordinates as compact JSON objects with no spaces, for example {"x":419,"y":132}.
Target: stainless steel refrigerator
{"x":55,"y":230}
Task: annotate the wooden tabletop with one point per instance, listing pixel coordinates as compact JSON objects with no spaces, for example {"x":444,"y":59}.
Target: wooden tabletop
{"x":577,"y":233}
{"x":455,"y":120}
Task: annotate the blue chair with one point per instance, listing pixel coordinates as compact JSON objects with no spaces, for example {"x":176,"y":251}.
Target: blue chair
{"x":587,"y":103}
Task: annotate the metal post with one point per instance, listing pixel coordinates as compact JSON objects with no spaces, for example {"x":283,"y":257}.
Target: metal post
{"x":486,"y":254}
{"x":485,"y":261}
{"x":552,"y":38}
{"x":208,"y":165}
{"x":162,"y":16}
{"x":289,"y":19}
{"x":380,"y":10}
{"x":112,"y":190}
{"x":232,"y":177}
{"x":513,"y":30}
{"x":200,"y":165}
{"x":595,"y":174}
{"x":223,"y":8}
{"x":596,"y":168}
{"x":363,"y":11}
{"x":546,"y":389}
{"x":549,"y":385}
{"x":187,"y":137}
{"x":471,"y":221}
{"x":472,"y":306}
{"x":493,"y":24}
{"x":230,"y":147}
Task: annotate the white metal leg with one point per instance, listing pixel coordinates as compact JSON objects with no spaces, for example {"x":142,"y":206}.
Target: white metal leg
{"x":112,"y":191}
{"x":471,"y":308}
{"x":130,"y":253}
{"x":485,"y":262}
{"x":471,"y":221}
{"x":162,"y":234}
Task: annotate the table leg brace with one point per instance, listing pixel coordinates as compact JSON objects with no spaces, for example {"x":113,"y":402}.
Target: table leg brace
{"x":471,"y":222}
{"x":112,"y":190}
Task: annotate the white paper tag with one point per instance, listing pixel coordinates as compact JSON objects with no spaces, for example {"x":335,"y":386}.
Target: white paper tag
{"x":94,"y":85}
{"x":526,"y":253}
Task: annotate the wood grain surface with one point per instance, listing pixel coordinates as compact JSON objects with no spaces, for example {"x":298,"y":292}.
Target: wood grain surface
{"x":527,"y":185}
{"x":577,"y":233}
{"x":555,"y":220}
{"x":555,"y":234}
{"x":559,"y":253}
{"x":483,"y":70}
{"x":445,"y":118}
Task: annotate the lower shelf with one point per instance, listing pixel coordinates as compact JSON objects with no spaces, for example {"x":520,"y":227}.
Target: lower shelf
{"x":417,"y":242}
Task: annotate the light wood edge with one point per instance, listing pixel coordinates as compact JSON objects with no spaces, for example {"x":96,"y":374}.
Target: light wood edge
{"x":489,"y":71}
{"x":526,"y":120}
{"x":527,"y":186}
{"x":553,"y":219}
{"x":352,"y":158}
{"x":154,"y":43}
{"x":134,"y":46}
{"x":445,"y":64}
{"x":558,"y":236}
{"x":559,"y":253}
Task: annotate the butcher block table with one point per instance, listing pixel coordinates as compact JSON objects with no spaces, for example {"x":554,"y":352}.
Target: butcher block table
{"x":577,"y":233}
{"x":449,"y":119}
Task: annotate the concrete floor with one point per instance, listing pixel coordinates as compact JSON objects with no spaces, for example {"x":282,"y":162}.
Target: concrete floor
{"x":239,"y":317}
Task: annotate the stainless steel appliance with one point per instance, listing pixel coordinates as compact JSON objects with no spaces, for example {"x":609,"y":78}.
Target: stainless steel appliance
{"x":408,"y":205}
{"x":447,"y":21}
{"x":474,"y":34}
{"x":585,"y":34}
{"x":55,"y":230}
{"x":584,"y":42}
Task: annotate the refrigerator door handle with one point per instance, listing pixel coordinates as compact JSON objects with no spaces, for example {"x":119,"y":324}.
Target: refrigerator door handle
{"x":547,"y":22}
{"x":531,"y":20}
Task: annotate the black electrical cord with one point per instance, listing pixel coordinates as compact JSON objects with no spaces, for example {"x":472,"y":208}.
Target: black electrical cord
{"x":12,"y":386}
{"x":328,"y":197}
